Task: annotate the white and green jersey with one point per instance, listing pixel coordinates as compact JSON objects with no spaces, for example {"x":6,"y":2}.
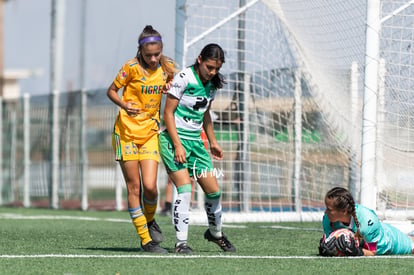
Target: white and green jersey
{"x":194,"y":99}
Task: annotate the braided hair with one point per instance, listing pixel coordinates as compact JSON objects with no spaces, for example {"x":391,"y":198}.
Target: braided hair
{"x":342,"y":199}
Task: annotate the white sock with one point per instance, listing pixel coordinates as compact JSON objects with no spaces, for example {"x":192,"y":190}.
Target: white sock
{"x":181,"y":216}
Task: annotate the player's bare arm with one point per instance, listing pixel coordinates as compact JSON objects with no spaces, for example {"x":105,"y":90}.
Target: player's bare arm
{"x":215,"y":148}
{"x":170,"y":106}
{"x":129,"y":107}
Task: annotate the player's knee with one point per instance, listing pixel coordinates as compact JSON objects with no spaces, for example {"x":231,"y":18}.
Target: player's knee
{"x":133,"y":188}
{"x":186,"y":188}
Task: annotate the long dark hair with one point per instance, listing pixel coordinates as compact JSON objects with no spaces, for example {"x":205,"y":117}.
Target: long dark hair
{"x":215,"y":52}
{"x":167,"y":64}
{"x":342,"y":199}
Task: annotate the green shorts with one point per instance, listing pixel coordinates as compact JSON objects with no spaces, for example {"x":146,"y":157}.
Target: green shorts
{"x":198,"y":160}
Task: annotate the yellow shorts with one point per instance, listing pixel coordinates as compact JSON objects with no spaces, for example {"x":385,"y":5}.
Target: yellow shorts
{"x":127,"y":150}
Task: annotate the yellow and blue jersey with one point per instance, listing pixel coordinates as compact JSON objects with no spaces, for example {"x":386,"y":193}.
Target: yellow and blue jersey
{"x":145,"y":89}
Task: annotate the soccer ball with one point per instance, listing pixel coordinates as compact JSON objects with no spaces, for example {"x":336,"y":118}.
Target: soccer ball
{"x":349,"y":235}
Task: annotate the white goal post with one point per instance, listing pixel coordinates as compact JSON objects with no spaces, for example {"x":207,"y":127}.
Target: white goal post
{"x":318,"y":95}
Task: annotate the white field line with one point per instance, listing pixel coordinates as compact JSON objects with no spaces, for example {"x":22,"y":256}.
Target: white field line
{"x":291,"y":228}
{"x":403,"y":226}
{"x":10,"y":216}
{"x":409,"y":257}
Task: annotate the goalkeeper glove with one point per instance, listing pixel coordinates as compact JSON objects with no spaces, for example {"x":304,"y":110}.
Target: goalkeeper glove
{"x":327,"y":248}
{"x":348,"y":248}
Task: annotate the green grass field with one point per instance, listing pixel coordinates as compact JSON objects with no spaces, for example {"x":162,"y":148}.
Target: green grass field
{"x":43,"y":241}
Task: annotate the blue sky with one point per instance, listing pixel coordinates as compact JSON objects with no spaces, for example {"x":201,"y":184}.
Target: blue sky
{"x":112,"y":29}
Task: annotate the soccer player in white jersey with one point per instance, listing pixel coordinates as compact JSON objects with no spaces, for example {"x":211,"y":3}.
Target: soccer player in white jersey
{"x":375,"y":237}
{"x":182,"y":150}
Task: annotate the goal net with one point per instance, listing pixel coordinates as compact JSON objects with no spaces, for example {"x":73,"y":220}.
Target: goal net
{"x":290,"y":119}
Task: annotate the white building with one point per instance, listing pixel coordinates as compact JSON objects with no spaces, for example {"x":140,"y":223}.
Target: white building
{"x":11,"y":88}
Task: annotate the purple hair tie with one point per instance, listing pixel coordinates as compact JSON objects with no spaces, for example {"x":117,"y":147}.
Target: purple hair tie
{"x":149,"y":39}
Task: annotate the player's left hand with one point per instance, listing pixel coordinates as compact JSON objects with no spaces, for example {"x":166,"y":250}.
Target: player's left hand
{"x":348,"y":248}
{"x":216,"y":151}
{"x":180,"y":154}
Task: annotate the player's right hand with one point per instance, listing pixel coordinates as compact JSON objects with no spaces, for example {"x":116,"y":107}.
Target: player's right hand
{"x":327,"y":248}
{"x":131,"y":109}
{"x":166,"y":87}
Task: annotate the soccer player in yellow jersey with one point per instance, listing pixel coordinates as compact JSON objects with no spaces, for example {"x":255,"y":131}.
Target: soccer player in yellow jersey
{"x":135,"y":137}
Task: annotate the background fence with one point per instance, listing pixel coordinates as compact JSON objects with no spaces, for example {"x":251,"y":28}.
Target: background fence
{"x":291,"y":120}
